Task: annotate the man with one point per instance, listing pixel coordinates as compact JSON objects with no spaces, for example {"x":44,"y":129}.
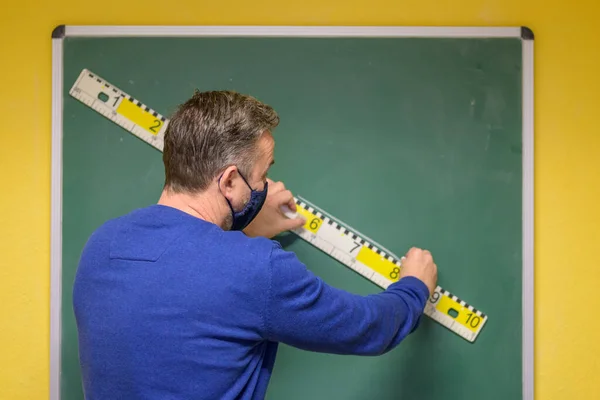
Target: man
{"x":189,"y":298}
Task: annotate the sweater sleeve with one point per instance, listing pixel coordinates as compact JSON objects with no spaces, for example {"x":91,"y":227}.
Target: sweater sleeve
{"x":303,"y":311}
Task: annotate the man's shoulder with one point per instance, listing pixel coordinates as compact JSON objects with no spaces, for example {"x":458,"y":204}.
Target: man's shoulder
{"x":237,"y":243}
{"x":155,"y":229}
{"x":140,"y":223}
{"x":115,"y":223}
{"x":105,"y":230}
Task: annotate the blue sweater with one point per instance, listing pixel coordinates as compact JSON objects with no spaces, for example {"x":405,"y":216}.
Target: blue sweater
{"x":169,"y":306}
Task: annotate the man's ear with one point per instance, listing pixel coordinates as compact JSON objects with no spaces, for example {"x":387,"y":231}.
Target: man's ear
{"x":227,"y":181}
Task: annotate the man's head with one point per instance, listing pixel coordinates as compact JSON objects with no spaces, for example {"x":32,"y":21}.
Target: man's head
{"x":218,"y":144}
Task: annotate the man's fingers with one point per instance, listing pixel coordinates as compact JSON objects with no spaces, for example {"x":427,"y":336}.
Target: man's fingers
{"x":284,"y":198}
{"x":275,"y":187}
{"x":275,"y":191}
{"x":294,"y":223}
{"x":292,"y":205}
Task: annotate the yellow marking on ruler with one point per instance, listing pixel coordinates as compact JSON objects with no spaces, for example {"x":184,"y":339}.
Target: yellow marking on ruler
{"x":140,"y":116}
{"x":313,"y":223}
{"x":378,"y":263}
{"x":465,"y":317}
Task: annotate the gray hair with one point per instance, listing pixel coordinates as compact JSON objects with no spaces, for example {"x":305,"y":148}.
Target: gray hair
{"x":211,"y":131}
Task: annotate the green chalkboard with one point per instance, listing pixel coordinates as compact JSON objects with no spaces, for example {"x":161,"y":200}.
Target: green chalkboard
{"x":411,"y":140}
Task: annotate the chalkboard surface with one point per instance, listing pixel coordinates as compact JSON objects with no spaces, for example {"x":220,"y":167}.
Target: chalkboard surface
{"x":412,"y":141}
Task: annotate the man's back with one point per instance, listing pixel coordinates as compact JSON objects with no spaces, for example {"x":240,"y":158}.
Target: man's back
{"x":169,"y":306}
{"x":166,"y":308}
{"x":173,"y":301}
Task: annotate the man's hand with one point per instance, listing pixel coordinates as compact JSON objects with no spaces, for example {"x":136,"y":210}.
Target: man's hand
{"x":419,"y":263}
{"x":271,"y":221}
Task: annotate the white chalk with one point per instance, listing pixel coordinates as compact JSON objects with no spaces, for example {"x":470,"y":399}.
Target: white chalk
{"x":288,"y":213}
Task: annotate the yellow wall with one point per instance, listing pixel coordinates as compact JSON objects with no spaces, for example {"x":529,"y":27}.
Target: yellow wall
{"x":567,"y":160}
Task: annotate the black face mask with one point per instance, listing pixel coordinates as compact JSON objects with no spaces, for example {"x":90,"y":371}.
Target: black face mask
{"x":242,"y":219}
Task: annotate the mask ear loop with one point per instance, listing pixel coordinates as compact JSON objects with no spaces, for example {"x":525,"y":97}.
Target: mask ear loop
{"x":240,"y":174}
{"x":247,"y":183}
{"x":226,"y":199}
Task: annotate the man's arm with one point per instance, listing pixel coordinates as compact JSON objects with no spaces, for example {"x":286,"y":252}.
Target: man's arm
{"x":303,"y":311}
